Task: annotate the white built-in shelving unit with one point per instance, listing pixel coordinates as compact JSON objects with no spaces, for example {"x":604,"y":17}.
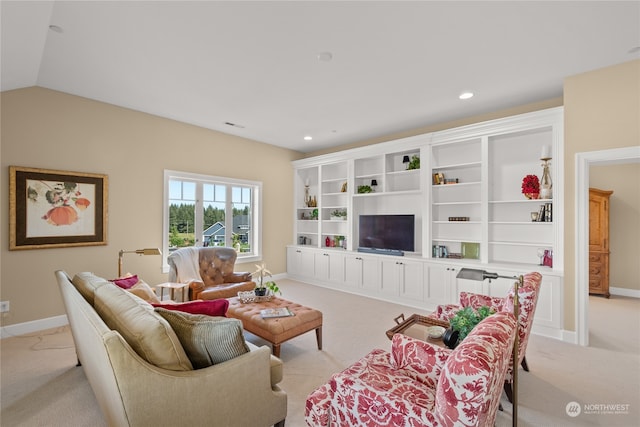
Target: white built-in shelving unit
{"x":478,"y":214}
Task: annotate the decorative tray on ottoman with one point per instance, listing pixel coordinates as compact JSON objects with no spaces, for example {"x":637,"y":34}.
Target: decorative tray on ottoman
{"x":420,"y":327}
{"x":250,"y":296}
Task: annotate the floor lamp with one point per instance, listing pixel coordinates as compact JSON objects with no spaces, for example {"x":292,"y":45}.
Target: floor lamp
{"x":146,"y":251}
{"x":481,"y":275}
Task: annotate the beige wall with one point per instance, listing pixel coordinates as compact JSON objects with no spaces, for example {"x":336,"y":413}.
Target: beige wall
{"x":52,"y":130}
{"x":602,"y":108}
{"x":624,"y":221}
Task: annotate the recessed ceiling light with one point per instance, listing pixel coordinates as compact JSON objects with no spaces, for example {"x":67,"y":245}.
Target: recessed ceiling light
{"x":325,"y":56}
{"x":466,"y":95}
{"x":308,"y":138}
{"x":56,"y":28}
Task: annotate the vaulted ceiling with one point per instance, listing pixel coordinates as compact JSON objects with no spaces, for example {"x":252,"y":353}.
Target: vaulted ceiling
{"x":337,"y":71}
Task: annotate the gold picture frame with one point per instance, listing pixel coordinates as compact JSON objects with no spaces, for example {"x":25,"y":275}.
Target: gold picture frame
{"x":56,"y":209}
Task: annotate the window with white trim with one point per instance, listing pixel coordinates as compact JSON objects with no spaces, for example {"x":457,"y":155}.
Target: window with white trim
{"x":202,"y":210}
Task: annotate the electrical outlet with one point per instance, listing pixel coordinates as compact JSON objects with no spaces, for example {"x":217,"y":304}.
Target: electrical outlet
{"x":4,"y":306}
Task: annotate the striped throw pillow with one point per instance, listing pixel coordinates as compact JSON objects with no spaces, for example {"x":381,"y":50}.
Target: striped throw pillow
{"x":207,"y":340}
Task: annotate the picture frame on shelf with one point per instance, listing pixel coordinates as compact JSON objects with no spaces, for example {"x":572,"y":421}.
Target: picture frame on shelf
{"x":56,"y":209}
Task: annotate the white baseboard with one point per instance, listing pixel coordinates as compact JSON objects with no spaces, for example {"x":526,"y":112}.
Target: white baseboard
{"x":33,"y":326}
{"x":569,"y":336}
{"x":624,"y":292}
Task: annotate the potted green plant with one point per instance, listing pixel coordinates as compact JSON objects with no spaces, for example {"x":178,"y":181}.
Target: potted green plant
{"x":364,"y":189}
{"x":261,"y":285}
{"x":339,"y":214}
{"x":414,"y":163}
{"x":463,"y":322}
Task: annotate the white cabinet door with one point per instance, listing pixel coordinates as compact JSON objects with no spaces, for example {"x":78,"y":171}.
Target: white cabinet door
{"x":390,"y":277}
{"x":353,"y":270}
{"x":402,"y":278}
{"x":321,"y":265}
{"x":440,"y":285}
{"x":300,"y":263}
{"x":548,"y":316}
{"x":471,"y":286}
{"x":329,"y":267}
{"x":444,"y":287}
{"x":371,"y":274}
{"x":361,"y":272}
{"x":411,"y":280}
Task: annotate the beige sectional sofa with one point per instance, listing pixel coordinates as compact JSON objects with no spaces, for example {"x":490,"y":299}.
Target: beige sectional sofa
{"x":142,"y":376}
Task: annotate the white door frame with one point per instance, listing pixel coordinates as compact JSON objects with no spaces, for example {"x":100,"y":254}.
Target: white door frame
{"x":583,"y":161}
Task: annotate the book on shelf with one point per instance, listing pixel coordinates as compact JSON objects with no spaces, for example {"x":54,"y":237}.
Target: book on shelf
{"x":270,"y":313}
{"x":546,"y":213}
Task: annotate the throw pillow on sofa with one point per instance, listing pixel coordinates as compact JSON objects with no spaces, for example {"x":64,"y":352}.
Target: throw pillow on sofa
{"x":126,"y":281}
{"x":144,"y":291}
{"x":207,"y":340}
{"x":148,"y":333}
{"x":214,"y":307}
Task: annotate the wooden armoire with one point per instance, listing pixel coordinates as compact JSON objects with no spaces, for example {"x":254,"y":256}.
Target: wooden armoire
{"x":599,"y":241}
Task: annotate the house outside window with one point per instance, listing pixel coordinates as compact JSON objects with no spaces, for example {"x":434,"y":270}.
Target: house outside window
{"x":202,"y":210}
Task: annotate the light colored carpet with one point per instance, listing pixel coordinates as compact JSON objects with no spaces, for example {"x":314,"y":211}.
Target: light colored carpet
{"x":40,"y":384}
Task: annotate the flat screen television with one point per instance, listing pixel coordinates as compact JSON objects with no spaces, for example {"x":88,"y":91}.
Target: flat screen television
{"x":386,"y":233}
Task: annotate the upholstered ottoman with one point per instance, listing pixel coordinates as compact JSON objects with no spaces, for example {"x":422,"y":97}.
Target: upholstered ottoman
{"x":280,"y":329}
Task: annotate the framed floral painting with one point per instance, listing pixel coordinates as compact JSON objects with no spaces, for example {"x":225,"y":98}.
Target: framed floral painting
{"x":49,"y":208}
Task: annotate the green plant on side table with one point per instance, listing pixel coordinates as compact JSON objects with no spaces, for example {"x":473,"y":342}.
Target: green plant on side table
{"x":261,"y":285}
{"x":463,"y":322}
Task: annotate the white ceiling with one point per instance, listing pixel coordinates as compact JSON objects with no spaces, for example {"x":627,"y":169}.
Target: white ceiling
{"x":396,"y":65}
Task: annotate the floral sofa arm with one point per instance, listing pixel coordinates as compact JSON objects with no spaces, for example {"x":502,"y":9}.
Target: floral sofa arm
{"x":418,"y":359}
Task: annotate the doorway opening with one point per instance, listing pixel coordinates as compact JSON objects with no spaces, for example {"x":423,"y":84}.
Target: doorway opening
{"x":583,"y":162}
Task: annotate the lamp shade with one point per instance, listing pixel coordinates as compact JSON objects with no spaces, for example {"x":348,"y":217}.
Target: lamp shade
{"x":145,"y":251}
{"x":149,"y":251}
{"x":477,"y":275}
{"x":405,"y":159}
{"x":374,"y":182}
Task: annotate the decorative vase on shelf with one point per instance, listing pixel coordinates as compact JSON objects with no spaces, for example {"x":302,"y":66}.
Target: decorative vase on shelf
{"x":531,"y":196}
{"x":546,"y":185}
{"x":545,"y":181}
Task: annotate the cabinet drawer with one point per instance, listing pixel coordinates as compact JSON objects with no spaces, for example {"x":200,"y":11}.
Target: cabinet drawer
{"x":596,"y":257}
{"x":595,"y":286}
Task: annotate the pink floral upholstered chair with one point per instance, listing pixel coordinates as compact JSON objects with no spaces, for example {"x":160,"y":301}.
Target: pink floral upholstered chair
{"x":420,"y":384}
{"x":527,"y":299}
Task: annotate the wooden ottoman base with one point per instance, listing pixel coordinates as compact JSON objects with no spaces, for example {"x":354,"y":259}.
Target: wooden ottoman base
{"x":277,"y":330}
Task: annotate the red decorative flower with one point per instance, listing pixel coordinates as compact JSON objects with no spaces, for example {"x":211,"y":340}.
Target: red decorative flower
{"x":530,"y":185}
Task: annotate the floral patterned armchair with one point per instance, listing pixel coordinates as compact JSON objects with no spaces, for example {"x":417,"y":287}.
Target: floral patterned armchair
{"x":420,"y":384}
{"x":527,"y":301}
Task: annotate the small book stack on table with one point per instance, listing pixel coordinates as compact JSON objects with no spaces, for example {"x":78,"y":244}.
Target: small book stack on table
{"x":269,"y":313}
